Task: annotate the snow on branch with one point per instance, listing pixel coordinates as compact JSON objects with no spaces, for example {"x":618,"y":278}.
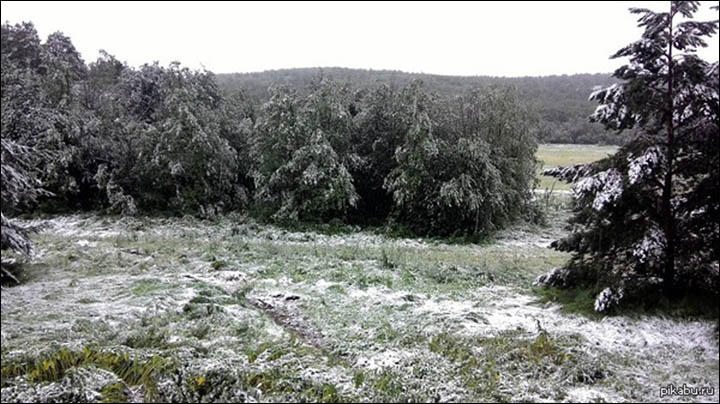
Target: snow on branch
{"x":641,"y":167}
{"x":605,"y":186}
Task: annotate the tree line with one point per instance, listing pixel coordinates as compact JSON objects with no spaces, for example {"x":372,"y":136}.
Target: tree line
{"x":153,"y":139}
{"x":560,"y":103}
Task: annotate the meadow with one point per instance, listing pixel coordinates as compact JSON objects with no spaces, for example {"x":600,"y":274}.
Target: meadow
{"x":181,"y":309}
{"x":563,"y":155}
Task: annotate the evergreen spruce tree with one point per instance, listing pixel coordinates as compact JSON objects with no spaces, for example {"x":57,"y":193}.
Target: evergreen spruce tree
{"x":646,"y":220}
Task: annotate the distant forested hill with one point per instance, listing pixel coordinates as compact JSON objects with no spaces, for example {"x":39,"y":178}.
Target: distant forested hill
{"x":561,"y":102}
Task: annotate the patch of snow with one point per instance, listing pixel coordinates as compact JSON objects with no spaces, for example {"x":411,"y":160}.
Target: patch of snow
{"x":378,"y":295}
{"x":53,"y":308}
{"x":322,"y":285}
{"x":85,"y":243}
{"x":498,"y":309}
{"x":445,"y":307}
{"x":586,"y":394}
{"x":510,"y":310}
{"x":380,"y":361}
{"x":75,"y":226}
{"x":358,"y":240}
{"x":519,"y":238}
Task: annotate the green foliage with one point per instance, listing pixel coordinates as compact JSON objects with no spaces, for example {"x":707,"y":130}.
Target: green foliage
{"x":176,"y":158}
{"x":147,"y":338}
{"x":218,"y":265}
{"x":19,"y":184}
{"x":299,"y":169}
{"x":54,"y":366}
{"x":114,"y":393}
{"x":150,"y":139}
{"x":573,"y":300}
{"x":464,"y":171}
{"x":581,"y":300}
{"x":381,"y":121}
{"x":387,"y":261}
{"x":26,"y":118}
{"x":166,"y":139}
{"x":358,"y":378}
{"x":560,"y":101}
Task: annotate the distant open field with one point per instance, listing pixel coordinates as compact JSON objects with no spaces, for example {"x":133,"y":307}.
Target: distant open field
{"x":554,"y":155}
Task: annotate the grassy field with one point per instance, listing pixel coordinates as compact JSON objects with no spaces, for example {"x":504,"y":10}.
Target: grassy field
{"x":187,"y":310}
{"x":555,"y":155}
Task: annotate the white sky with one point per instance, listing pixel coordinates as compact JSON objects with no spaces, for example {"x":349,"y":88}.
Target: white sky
{"x":485,"y":38}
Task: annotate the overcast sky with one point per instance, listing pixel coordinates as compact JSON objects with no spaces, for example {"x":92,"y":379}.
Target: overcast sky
{"x":485,"y":38}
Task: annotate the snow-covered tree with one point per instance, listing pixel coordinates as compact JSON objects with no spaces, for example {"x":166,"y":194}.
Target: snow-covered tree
{"x":381,"y":122}
{"x":18,"y":178}
{"x":647,"y":218}
{"x":300,"y":148}
{"x":178,"y":157}
{"x":465,"y":170}
{"x":25,"y":119}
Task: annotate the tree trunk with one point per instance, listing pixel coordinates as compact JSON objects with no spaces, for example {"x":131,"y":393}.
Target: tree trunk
{"x":667,"y":210}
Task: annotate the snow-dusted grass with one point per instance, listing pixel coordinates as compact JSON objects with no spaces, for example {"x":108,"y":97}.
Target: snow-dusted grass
{"x":238,"y":311}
